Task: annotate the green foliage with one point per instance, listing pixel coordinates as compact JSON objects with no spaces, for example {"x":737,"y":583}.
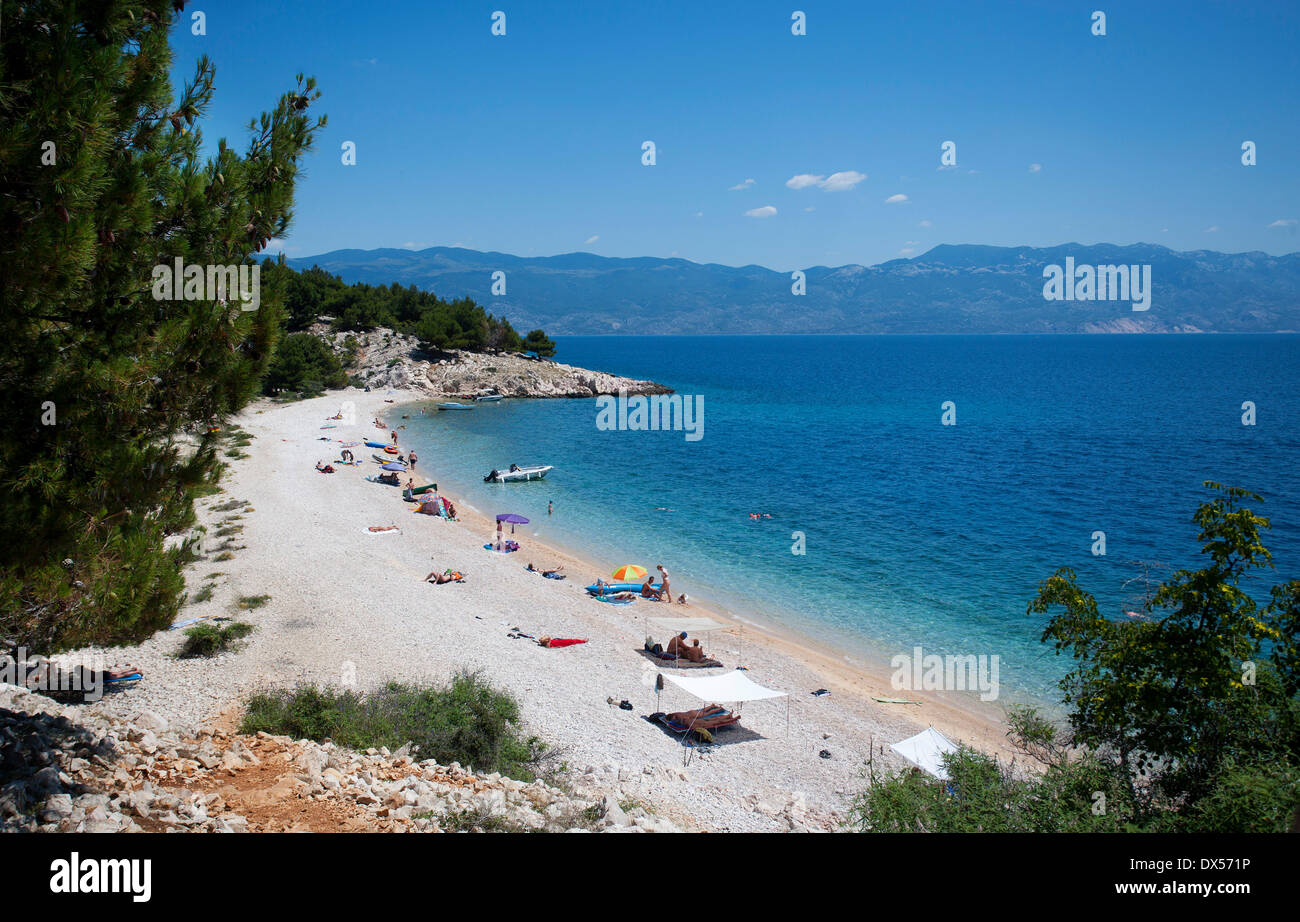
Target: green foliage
{"x":314,"y":295}
{"x":536,"y":341}
{"x":106,"y":478}
{"x":303,"y":364}
{"x":208,"y":639}
{"x":1185,"y":721}
{"x":466,"y":721}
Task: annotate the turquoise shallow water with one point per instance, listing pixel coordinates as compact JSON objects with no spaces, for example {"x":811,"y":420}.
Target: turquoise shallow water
{"x":916,"y":532}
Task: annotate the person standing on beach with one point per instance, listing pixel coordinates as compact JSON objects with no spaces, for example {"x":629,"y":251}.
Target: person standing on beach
{"x":663,"y":575}
{"x":394,"y":435}
{"x":411,"y":458}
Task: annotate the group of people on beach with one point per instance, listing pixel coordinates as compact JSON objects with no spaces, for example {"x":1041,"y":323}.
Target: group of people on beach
{"x":662,"y":594}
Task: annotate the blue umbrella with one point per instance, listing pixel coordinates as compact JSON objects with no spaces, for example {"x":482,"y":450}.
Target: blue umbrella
{"x":393,"y":466}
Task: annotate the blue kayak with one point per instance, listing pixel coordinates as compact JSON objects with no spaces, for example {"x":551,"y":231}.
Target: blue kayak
{"x":376,"y":444}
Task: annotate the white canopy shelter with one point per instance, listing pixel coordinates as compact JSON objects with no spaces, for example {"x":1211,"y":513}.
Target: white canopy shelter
{"x":690,"y":625}
{"x":727,"y":686}
{"x":926,"y":751}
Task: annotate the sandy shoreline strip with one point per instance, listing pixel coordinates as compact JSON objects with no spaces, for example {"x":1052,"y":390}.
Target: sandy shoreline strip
{"x":348,"y":605}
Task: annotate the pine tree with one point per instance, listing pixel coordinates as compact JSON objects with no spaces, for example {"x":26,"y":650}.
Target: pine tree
{"x":107,"y":393}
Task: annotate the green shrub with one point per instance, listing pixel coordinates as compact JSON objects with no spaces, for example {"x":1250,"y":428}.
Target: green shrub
{"x":465,"y":721}
{"x":209,"y":639}
{"x":254,"y":601}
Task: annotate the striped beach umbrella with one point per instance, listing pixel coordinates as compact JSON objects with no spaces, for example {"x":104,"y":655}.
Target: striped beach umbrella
{"x":629,"y":573}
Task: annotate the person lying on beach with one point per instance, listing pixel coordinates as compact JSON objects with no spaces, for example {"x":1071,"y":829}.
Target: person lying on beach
{"x":446,"y":576}
{"x":545,"y":641}
{"x":678,"y":647}
{"x":379,"y":528}
{"x":708,"y":717}
{"x":326,"y":469}
{"x":649,"y":592}
{"x":552,"y":570}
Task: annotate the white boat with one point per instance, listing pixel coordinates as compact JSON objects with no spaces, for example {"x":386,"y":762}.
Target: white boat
{"x":517,"y":474}
{"x":490,"y":398}
{"x":455,"y":406}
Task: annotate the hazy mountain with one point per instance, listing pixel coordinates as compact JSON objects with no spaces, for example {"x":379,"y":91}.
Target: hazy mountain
{"x":950,"y":289}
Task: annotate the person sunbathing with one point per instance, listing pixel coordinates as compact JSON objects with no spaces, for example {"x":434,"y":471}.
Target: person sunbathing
{"x":551,"y":572}
{"x":446,"y":576}
{"x":709,"y":717}
{"x":678,"y":647}
{"x":649,"y":592}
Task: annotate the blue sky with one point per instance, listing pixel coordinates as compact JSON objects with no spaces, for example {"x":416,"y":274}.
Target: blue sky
{"x":530,"y":143}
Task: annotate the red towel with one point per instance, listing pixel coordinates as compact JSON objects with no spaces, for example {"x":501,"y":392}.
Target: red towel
{"x":562,"y":642}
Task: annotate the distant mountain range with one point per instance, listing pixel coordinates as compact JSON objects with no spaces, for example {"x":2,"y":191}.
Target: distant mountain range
{"x":950,"y":289}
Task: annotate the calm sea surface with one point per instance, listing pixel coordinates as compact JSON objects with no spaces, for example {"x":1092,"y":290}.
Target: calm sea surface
{"x":916,"y":533}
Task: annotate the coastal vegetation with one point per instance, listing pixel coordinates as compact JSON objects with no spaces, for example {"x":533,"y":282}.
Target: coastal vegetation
{"x":1185,"y":719}
{"x":210,"y":639}
{"x":109,"y":392}
{"x":314,"y":295}
{"x":466,"y":721}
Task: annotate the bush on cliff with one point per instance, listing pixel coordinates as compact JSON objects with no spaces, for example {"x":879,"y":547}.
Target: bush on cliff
{"x":466,"y":721}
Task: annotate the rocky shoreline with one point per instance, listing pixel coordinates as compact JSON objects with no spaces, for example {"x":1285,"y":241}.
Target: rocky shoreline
{"x":65,"y":769}
{"x":386,"y":359}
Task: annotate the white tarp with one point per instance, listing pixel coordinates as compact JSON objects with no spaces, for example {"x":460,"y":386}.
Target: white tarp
{"x":677,"y":625}
{"x":926,"y":750}
{"x":729,"y":686}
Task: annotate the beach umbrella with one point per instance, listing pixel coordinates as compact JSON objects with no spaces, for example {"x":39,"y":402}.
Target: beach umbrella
{"x":630,"y":573}
{"x":393,"y":466}
{"x":512,"y":518}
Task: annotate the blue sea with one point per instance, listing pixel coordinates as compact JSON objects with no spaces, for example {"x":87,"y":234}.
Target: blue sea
{"x":915,"y":532}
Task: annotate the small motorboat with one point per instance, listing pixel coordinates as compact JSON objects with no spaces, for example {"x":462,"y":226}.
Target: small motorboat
{"x":490,"y":398}
{"x":455,"y":406}
{"x":387,"y":459}
{"x":517,"y":474}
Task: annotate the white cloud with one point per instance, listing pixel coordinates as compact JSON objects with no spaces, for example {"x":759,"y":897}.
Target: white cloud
{"x":699,"y":214}
{"x":765,"y":212}
{"x":906,"y":251}
{"x":1211,"y":229}
{"x":593,"y":238}
{"x":1283,"y":222}
{"x":810,"y":208}
{"x":804,"y":180}
{"x":839,"y":182}
{"x":926,"y":223}
{"x":1035,"y":168}
{"x":836,"y":182}
{"x":896,"y":199}
{"x":910,"y":243}
{"x":411,"y":245}
{"x":740,"y":187}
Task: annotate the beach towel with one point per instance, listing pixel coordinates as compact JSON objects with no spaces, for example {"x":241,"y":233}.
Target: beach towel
{"x":383,"y":530}
{"x":553,"y":642}
{"x":614,"y":600}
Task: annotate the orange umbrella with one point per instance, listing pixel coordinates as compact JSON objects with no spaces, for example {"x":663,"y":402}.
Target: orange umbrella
{"x":629,"y":573}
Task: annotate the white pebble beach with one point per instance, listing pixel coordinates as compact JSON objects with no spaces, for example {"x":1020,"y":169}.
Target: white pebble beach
{"x":346,"y":604}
